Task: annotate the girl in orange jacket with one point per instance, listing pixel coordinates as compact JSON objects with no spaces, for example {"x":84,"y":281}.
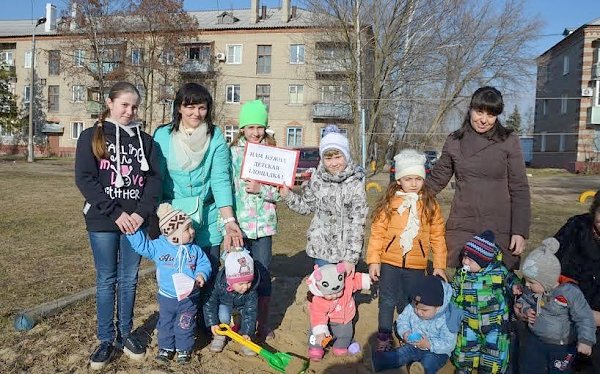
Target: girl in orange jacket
{"x":407,"y":226}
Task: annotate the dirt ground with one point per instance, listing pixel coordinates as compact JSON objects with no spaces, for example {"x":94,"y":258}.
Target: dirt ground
{"x":63,"y":343}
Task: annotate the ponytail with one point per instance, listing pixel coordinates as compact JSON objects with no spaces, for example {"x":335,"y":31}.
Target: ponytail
{"x":98,"y":139}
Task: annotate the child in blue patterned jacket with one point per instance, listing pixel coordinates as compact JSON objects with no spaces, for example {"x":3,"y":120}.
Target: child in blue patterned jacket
{"x":181,"y":267}
{"x":428,"y":325}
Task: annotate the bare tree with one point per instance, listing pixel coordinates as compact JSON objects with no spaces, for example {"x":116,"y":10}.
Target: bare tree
{"x":156,"y":49}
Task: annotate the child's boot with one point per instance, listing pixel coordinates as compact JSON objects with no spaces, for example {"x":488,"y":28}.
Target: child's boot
{"x":337,"y":351}
{"x":315,"y":353}
{"x":217,"y":344}
{"x":384,"y":342}
{"x":416,"y":368}
{"x":385,"y":360}
{"x":263,"y":332}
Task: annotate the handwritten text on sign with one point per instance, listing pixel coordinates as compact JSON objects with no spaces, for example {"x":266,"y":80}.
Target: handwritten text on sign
{"x":270,"y":165}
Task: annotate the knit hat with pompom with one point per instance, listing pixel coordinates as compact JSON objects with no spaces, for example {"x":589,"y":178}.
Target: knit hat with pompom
{"x":171,"y":221}
{"x":334,"y":139}
{"x":542,"y":265}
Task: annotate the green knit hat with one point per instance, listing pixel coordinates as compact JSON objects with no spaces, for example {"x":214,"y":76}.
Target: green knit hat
{"x":253,"y":113}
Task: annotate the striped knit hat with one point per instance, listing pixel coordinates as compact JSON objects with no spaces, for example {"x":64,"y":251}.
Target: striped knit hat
{"x":171,"y":221}
{"x":482,"y":249}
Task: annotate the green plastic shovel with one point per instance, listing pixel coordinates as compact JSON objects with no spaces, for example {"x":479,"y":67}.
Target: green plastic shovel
{"x":282,"y":362}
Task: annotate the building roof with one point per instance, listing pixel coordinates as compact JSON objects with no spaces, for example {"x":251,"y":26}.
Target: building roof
{"x":594,"y":22}
{"x":207,"y":20}
{"x":572,"y":30}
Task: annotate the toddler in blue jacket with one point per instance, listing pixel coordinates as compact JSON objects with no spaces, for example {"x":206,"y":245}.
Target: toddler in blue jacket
{"x":181,"y":268}
{"x":428,"y":326}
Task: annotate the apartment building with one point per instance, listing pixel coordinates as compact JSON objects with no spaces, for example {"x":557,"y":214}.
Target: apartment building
{"x":567,"y":111}
{"x":277,"y":55}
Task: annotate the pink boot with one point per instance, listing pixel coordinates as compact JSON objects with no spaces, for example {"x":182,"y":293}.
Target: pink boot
{"x":315,"y":354}
{"x":340,"y":351}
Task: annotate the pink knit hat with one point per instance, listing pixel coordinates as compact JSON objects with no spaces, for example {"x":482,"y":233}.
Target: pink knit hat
{"x":239,"y":267}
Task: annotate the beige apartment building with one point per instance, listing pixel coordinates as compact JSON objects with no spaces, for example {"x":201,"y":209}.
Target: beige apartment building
{"x":277,"y":55}
{"x":567,"y":111}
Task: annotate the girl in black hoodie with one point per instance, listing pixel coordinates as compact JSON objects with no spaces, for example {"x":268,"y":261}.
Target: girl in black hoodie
{"x":116,"y":170}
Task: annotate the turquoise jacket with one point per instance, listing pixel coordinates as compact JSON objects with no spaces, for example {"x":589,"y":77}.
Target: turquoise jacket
{"x":211,"y":181}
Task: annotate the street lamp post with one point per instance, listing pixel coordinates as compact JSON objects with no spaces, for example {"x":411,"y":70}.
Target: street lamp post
{"x":30,"y":150}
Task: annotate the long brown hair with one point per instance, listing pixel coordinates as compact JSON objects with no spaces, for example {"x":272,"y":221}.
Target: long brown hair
{"x":427,"y":197}
{"x":99,"y":139}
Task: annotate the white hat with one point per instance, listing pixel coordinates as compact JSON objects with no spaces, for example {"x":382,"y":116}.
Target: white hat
{"x":409,"y":162}
{"x":333,"y":139}
{"x":239,"y":267}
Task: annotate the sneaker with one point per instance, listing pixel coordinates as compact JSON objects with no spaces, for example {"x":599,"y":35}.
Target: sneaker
{"x":416,"y":368}
{"x":183,"y":357}
{"x":133,"y":348}
{"x":384,"y":342}
{"x":247,"y":351}
{"x":101,"y":355}
{"x":315,"y":354}
{"x":165,"y":355}
{"x":217,"y":344}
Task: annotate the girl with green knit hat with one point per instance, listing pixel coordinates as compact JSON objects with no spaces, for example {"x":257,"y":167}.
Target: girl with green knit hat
{"x":255,"y":205}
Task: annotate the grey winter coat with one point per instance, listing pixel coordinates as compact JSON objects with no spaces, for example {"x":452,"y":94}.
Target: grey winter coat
{"x":492,"y":191}
{"x":563,"y":316}
{"x":339,"y":202}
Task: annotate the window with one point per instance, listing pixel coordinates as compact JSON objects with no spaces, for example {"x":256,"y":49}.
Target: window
{"x":142,"y":90}
{"x":27,"y":64}
{"x":26,"y":94}
{"x":263,"y":59}
{"x":168,"y":57}
{"x":296,"y":94}
{"x":544,"y":107}
{"x":332,"y":94}
{"x":342,"y":131}
{"x":79,"y":58}
{"x":78,"y":93}
{"x":167,"y":91}
{"x":565,"y":65}
{"x":234,"y":54}
{"x":76,"y":129}
{"x":263,"y":93}
{"x":137,"y":56}
{"x":230,"y":131}
{"x":199,"y":52}
{"x":297,"y":54}
{"x":53,"y":62}
{"x":597,"y":93}
{"x":294,"y":137}
{"x":53,"y":98}
{"x":6,"y":57}
{"x":563,"y":104}
{"x":543,"y":142}
{"x":232,"y":92}
{"x":561,"y":143}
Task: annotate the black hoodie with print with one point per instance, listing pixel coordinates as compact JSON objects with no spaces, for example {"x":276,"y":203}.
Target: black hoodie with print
{"x":128,"y":181}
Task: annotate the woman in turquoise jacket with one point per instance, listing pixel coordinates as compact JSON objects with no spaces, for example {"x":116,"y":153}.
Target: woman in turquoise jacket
{"x":195,"y":166}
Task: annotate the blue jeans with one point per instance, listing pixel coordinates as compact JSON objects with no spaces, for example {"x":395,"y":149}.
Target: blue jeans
{"x":261,"y":251}
{"x":177,"y":322}
{"x":407,"y":354}
{"x":548,"y":358}
{"x":394,"y":292}
{"x":224,"y":313}
{"x":117,"y":267}
{"x":320,"y":263}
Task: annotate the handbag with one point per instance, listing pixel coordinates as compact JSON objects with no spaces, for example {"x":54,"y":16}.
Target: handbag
{"x":192,"y":206}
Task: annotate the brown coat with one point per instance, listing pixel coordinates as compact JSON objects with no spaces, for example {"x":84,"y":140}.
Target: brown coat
{"x":491,"y":191}
{"x":384,"y":243}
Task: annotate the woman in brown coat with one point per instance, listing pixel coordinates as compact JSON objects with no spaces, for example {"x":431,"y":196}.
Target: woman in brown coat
{"x":492,"y":192}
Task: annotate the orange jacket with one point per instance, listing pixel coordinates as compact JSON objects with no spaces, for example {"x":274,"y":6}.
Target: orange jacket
{"x":384,"y":243}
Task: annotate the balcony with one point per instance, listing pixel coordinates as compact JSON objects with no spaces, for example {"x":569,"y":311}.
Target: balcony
{"x":332,"y":66}
{"x":107,"y":67}
{"x":93,"y":107}
{"x":203,"y":66}
{"x":10,"y":69}
{"x":332,"y":111}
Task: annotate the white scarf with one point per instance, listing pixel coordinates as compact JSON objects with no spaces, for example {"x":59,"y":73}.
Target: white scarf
{"x":412,"y":224}
{"x":188,"y":147}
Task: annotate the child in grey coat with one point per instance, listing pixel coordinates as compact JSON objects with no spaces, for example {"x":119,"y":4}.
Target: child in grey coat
{"x":560,"y":320}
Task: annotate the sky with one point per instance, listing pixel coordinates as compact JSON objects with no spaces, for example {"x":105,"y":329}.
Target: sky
{"x":556,"y":15}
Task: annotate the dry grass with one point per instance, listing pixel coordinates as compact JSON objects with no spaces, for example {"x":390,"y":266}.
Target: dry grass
{"x":45,"y":254}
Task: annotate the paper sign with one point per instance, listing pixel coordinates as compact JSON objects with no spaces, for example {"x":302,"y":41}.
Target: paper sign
{"x":270,"y":165}
{"x":183,"y":285}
